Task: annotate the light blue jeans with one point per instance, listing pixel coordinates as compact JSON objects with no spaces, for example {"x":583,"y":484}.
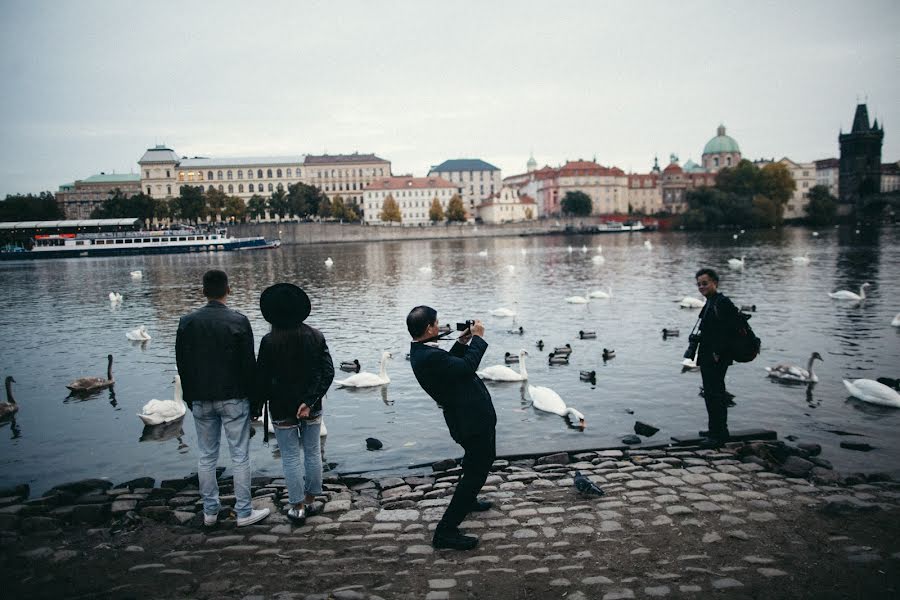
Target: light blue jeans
{"x":301,"y":458}
{"x":234,"y":417}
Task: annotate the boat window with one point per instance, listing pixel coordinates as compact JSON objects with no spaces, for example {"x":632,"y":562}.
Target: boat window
{"x":79,"y":243}
{"x":182,"y":239}
{"x":120,"y":241}
{"x":191,"y":238}
{"x":127,"y":241}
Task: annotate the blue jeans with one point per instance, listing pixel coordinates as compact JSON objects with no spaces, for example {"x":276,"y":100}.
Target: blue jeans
{"x":299,"y":446}
{"x":210,"y":418}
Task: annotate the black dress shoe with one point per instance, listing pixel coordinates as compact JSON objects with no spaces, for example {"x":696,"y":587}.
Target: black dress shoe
{"x":453,"y":539}
{"x":713,"y":441}
{"x":481,"y":506}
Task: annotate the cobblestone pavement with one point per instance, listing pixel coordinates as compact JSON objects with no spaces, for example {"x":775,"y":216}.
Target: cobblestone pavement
{"x":677,"y":523}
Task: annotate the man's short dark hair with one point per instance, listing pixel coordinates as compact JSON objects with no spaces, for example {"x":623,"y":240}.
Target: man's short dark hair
{"x":418,"y":320}
{"x":712,"y":274}
{"x":215,"y":284}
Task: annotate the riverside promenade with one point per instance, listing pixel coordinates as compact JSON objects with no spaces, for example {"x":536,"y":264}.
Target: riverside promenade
{"x":675,"y":522}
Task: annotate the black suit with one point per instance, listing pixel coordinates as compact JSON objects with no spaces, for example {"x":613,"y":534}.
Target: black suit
{"x":718,"y":321}
{"x":450,"y":379}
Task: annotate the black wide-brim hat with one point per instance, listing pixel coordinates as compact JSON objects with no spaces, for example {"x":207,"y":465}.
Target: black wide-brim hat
{"x":284,"y":305}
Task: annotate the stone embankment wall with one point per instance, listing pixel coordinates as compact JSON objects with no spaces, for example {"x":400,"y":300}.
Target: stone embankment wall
{"x":306,"y":232}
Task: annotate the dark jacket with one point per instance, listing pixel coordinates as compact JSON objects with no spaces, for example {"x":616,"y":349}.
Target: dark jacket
{"x":450,"y":379}
{"x":296,"y":369}
{"x":214,"y":353}
{"x":718,"y":323}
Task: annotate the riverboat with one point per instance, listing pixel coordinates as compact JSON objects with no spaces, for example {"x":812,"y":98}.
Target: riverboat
{"x":608,"y":227}
{"x":75,"y":245}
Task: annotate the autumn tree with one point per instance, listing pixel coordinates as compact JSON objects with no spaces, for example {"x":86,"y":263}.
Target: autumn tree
{"x":576,"y":203}
{"x":390,"y":210}
{"x":455,"y":210}
{"x":436,"y":212}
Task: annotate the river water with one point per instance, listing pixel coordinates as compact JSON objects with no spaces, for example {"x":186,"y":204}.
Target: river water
{"x":57,"y":324}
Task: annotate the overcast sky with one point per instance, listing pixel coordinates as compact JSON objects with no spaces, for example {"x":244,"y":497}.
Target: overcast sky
{"x":89,"y":85}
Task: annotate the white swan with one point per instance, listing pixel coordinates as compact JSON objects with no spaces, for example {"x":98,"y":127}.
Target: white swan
{"x":138,"y":335}
{"x":328,"y":262}
{"x":896,"y":321}
{"x":482,"y":253}
{"x":511,"y":268}
{"x":873,"y":392}
{"x":425,"y":269}
{"x":524,"y":251}
{"x":157,"y":412}
{"x":599,"y":248}
{"x":800,"y":260}
{"x":648,"y":244}
{"x":788,"y":372}
{"x":584,"y":249}
{"x":736,"y":263}
{"x":503,"y":312}
{"x":598,"y":259}
{"x":504,"y":373}
{"x":136,"y":275}
{"x":9,"y":408}
{"x":366,"y":379}
{"x":848,"y":295}
{"x":545,"y":399}
{"x":689,"y":364}
{"x":602,"y":294}
{"x":115,"y":297}
{"x":691,"y":302}
{"x":815,"y":234}
{"x":570,"y":249}
{"x":577,"y":300}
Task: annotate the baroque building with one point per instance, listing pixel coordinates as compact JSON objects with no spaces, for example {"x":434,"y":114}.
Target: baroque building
{"x":507,"y":206}
{"x":413,"y":195}
{"x":475,"y":179}
{"x":721,"y":151}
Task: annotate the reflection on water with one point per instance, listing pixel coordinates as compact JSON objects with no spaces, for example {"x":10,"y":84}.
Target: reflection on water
{"x":57,"y":323}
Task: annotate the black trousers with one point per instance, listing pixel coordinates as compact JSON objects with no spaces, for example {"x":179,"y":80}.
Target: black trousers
{"x":480,"y":453}
{"x":713,"y":374}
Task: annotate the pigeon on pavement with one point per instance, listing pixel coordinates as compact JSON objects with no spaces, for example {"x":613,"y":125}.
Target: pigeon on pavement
{"x":586,"y":486}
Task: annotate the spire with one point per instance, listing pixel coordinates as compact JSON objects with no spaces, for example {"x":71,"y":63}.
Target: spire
{"x":655,"y":168}
{"x":721,"y":130}
{"x":860,"y":119}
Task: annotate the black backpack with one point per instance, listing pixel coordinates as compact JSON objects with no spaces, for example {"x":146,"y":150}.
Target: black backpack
{"x":744,"y":345}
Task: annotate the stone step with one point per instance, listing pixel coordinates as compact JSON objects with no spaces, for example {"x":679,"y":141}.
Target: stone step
{"x":739,"y":435}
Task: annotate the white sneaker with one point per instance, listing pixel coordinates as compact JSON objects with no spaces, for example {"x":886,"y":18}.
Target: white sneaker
{"x":255,"y":516}
{"x":210,"y":520}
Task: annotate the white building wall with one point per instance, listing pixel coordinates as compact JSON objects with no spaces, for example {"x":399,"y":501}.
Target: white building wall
{"x":414,"y":203}
{"x":804,"y":175}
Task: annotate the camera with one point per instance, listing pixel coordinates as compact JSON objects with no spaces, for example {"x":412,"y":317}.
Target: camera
{"x":693,"y":342}
{"x":465,"y":326}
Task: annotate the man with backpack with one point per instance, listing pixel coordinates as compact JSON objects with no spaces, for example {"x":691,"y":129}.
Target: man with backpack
{"x":719,"y":321}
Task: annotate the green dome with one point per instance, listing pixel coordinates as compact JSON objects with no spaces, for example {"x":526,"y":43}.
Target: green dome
{"x":721,"y":143}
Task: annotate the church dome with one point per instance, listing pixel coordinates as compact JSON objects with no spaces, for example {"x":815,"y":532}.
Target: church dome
{"x":721,"y":143}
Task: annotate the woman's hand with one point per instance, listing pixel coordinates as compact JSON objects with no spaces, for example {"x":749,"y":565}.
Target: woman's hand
{"x":303,"y":412}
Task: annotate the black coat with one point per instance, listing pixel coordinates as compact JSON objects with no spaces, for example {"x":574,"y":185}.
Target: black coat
{"x":297,"y":372}
{"x":719,"y":322}
{"x":450,"y":379}
{"x":214,"y":354}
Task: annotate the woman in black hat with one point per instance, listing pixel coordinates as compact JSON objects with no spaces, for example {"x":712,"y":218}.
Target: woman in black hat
{"x":294,"y":371}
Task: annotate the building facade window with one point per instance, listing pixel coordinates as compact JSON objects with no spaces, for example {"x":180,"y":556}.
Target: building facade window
{"x":181,"y":176}
{"x":148,"y":190}
{"x":250,"y":188}
{"x":280,"y":187}
{"x":169,"y":190}
{"x":240,"y":188}
{"x":167,"y":174}
{"x":249,"y":173}
{"x":288,"y":172}
{"x":230,"y":188}
{"x":209,"y":176}
{"x":269,"y":173}
{"x":259,"y":173}
{"x":219,"y":176}
{"x":229,"y":175}
{"x":278,"y":173}
{"x":221,"y":188}
{"x":271,"y":187}
{"x":240,"y":174}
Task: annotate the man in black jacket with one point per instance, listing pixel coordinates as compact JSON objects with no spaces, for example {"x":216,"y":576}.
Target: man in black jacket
{"x":450,"y":379}
{"x":214,"y":353}
{"x":718,"y":321}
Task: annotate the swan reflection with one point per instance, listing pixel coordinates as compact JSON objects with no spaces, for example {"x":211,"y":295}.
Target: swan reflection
{"x":165,"y":432}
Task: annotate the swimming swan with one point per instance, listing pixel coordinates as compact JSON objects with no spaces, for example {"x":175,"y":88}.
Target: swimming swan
{"x":873,"y":392}
{"x":482,"y":253}
{"x":115,"y":297}
{"x":503,"y":312}
{"x":545,"y":399}
{"x":602,"y":294}
{"x":138,"y":335}
{"x":691,"y":302}
{"x":800,"y":260}
{"x":366,"y":379}
{"x":788,"y":372}
{"x":598,"y":259}
{"x":328,"y":262}
{"x":896,"y":321}
{"x":84,"y":385}
{"x":157,"y":412}
{"x":736,"y":263}
{"x":9,"y":408}
{"x":136,"y":275}
{"x":504,"y":373}
{"x":848,"y":295}
{"x":577,"y":300}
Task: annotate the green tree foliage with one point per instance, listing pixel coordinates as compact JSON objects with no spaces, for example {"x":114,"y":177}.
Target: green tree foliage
{"x":744,"y":196}
{"x":191,"y":203}
{"x":456,"y":212}
{"x":234,"y":209}
{"x":325,"y":207}
{"x":337,"y":208}
{"x":122,"y":206}
{"x":256,"y":206}
{"x":576,"y":203}
{"x":352,"y":212}
{"x":304,"y":200}
{"x":436,"y":212}
{"x":215,"y":202}
{"x":279,"y":204}
{"x":822,"y":207}
{"x":19,"y":207}
{"x":390,"y":210}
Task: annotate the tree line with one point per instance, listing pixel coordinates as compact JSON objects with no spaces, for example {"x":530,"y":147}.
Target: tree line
{"x":390,"y":210}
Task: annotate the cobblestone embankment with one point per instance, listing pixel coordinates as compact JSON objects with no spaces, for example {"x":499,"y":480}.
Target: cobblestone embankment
{"x":679,"y":523}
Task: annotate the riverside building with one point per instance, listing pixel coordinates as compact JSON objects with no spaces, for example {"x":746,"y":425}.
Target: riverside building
{"x":413,"y":195}
{"x":474,"y":179}
{"x":77,"y":200}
